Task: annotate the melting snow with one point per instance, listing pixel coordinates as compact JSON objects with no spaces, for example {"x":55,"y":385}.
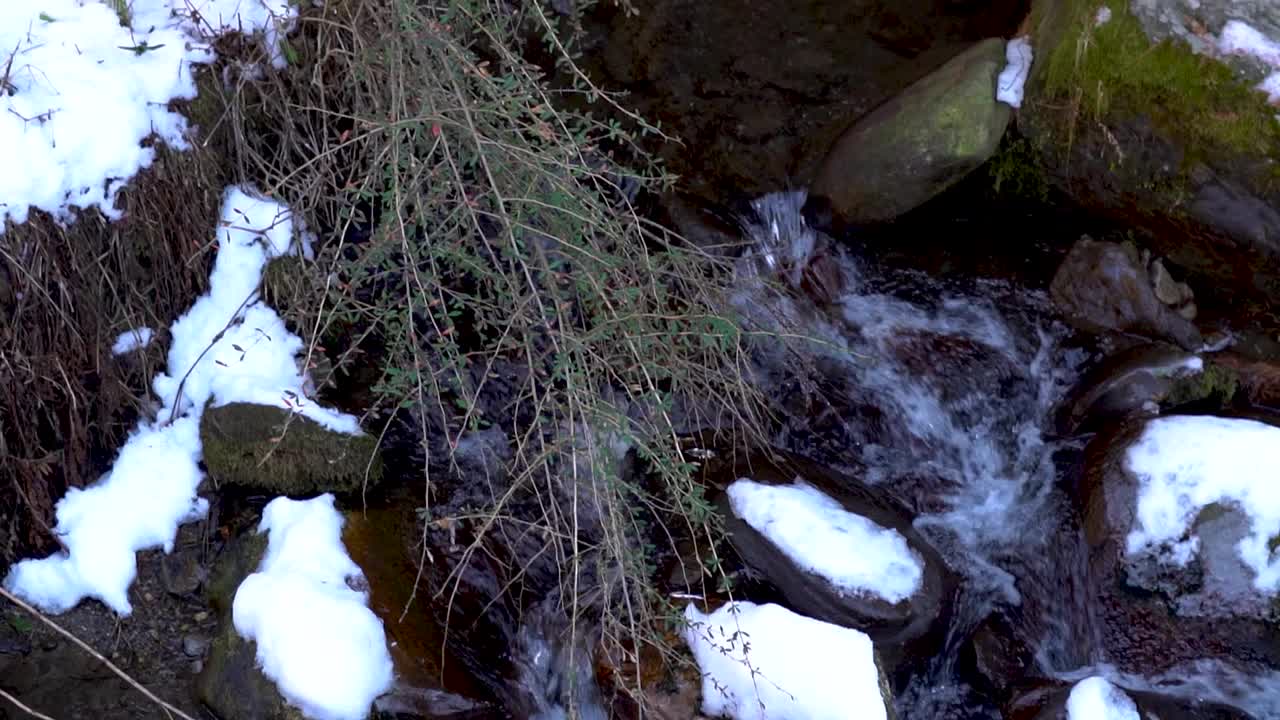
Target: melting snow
{"x":229,"y":347}
{"x":764,"y":662}
{"x":855,"y":554}
{"x":79,"y":92}
{"x":131,"y":340}
{"x":316,"y":637}
{"x":1241,"y":38}
{"x":1096,"y":699}
{"x":1187,"y":463}
{"x":1009,"y":85}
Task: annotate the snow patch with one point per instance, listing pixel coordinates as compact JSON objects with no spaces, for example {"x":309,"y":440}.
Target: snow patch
{"x":1102,"y":17}
{"x":1187,"y":463}
{"x":1009,"y":85}
{"x":316,"y":637}
{"x":82,"y":92}
{"x":1096,"y":699}
{"x":1241,"y":38}
{"x":228,"y":347}
{"x":764,"y":662}
{"x":855,"y":554}
{"x":131,"y":340}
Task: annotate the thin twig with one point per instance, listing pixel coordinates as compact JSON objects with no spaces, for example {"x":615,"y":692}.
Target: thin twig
{"x":84,"y":646}
{"x":24,"y":708}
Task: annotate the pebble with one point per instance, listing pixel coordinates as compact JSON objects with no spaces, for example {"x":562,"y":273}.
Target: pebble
{"x":195,"y":645}
{"x":200,"y":616}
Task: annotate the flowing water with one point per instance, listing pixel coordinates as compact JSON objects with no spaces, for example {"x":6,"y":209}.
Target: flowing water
{"x":953,"y":389}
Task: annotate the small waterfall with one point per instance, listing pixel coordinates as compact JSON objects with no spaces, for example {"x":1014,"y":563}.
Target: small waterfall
{"x":953,"y":389}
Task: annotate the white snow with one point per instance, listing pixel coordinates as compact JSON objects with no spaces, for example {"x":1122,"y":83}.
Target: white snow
{"x":1186,"y":463}
{"x":151,"y":488}
{"x":855,"y":554}
{"x":1096,"y":699}
{"x":1241,"y":38}
{"x":316,"y":637}
{"x":1009,"y":85}
{"x":80,"y":92}
{"x":764,"y":662}
{"x":131,"y":340}
{"x":1102,"y":17}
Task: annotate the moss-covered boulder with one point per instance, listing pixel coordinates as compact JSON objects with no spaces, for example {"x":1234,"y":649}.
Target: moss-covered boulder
{"x":1175,"y":143}
{"x":230,"y":684}
{"x":283,"y":453}
{"x":919,"y":143}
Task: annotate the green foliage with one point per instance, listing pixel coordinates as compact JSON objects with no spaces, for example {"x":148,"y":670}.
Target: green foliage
{"x":1114,"y":70}
{"x":1015,"y":170}
{"x":496,"y":272}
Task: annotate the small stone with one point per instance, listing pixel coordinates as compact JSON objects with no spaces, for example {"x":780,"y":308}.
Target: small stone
{"x":148,"y":597}
{"x":197,"y":666}
{"x":200,"y":616}
{"x":1188,"y":311}
{"x":195,"y":645}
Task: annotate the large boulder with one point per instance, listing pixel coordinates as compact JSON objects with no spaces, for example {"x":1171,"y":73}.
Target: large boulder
{"x":283,"y":453}
{"x":1188,"y":605}
{"x":1141,"y":128}
{"x":919,"y":143}
{"x":753,"y":94}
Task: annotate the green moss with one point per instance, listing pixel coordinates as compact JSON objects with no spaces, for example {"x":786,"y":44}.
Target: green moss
{"x":1015,"y":170}
{"x":266,"y":448}
{"x":1213,"y":383}
{"x":1114,"y":71}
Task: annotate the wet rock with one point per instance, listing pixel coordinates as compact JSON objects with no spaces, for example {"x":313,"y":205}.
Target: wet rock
{"x":1049,"y":702}
{"x":1259,"y":380}
{"x":15,"y":636}
{"x":1103,"y":286}
{"x":405,"y":702}
{"x":919,"y":143}
{"x":1132,"y":123}
{"x":998,"y":657}
{"x":283,"y":453}
{"x":1136,"y":382}
{"x":892,"y":626}
{"x":1157,"y":616}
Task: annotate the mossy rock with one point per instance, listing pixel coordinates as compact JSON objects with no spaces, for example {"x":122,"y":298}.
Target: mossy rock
{"x":1162,"y":139}
{"x":1215,"y":383}
{"x":273,"y":450}
{"x":232,"y":685}
{"x":919,"y":143}
{"x":238,"y":560}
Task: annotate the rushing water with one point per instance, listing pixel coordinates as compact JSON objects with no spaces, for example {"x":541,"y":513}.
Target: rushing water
{"x":952,"y":391}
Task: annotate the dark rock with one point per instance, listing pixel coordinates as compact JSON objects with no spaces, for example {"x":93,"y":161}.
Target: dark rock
{"x":181,"y":571}
{"x":195,"y":646}
{"x":238,"y":560}
{"x":1103,"y":286}
{"x":998,"y":656}
{"x":404,"y":702}
{"x":892,"y":626}
{"x":919,"y":143}
{"x":1157,"y":616}
{"x":283,"y":453}
{"x":748,"y":93}
{"x":1134,"y":382}
{"x":1049,"y":702}
{"x":1259,"y":380}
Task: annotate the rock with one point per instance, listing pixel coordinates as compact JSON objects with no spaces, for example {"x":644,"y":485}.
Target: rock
{"x":1259,"y":380}
{"x":998,"y":657}
{"x":747,"y":93}
{"x":1158,"y":616}
{"x":405,"y":702}
{"x":892,"y":626}
{"x":1103,"y":286}
{"x":1132,"y":382}
{"x":270,"y":449}
{"x":919,"y":143}
{"x":195,"y":646}
{"x":1049,"y":702}
{"x":1176,"y":145}
{"x":181,"y":571}
{"x":232,"y":685}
